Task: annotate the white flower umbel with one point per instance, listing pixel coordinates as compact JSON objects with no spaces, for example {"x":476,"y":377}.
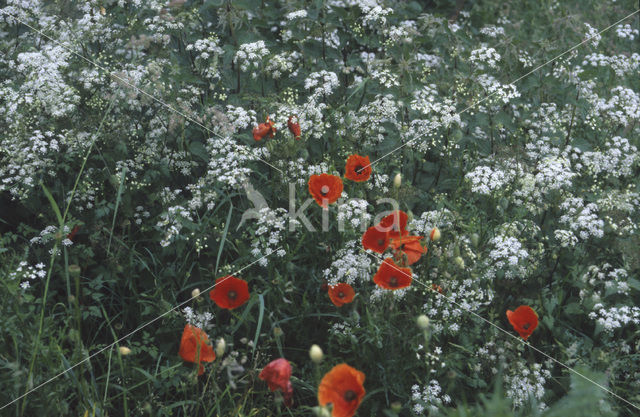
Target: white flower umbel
{"x":349,"y":265}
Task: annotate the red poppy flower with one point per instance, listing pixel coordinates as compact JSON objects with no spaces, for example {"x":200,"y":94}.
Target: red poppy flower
{"x":230,"y":292}
{"x":294,"y":127}
{"x":343,"y":387}
{"x":375,"y":239}
{"x":195,"y":347}
{"x":277,"y":374}
{"x":358,"y":168}
{"x":71,"y":235}
{"x":392,"y":277}
{"x":264,"y":129}
{"x":325,"y":189}
{"x":409,"y":247}
{"x":436,"y":287}
{"x":341,"y":294}
{"x":395,"y":223}
{"x":524,"y":320}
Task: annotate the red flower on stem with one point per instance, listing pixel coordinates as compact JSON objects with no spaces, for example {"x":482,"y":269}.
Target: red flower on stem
{"x":195,"y":347}
{"x":264,"y":129}
{"x":230,"y":292}
{"x":294,"y":127}
{"x":325,"y":189}
{"x":524,"y":320}
{"x":341,"y":294}
{"x":392,"y":277}
{"x":358,"y":168}
{"x":277,"y":374}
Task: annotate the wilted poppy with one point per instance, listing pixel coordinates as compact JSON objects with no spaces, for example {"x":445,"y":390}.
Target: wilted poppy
{"x":375,"y":239}
{"x":341,"y":294}
{"x":395,"y":223}
{"x":230,"y":292}
{"x":524,"y":320}
{"x":71,"y":235}
{"x":264,"y":129}
{"x":343,"y":387}
{"x":358,"y":168}
{"x":195,"y":347}
{"x":294,"y":127}
{"x":392,"y":277}
{"x":325,"y":189}
{"x":277,"y":374}
{"x":408,"y":248}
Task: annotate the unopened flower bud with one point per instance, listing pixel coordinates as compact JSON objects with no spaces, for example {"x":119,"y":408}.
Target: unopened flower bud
{"x":74,"y":271}
{"x":321,"y":412}
{"x":277,"y":332}
{"x":397,"y":180}
{"x":435,"y":234}
{"x":124,"y":351}
{"x":195,"y":293}
{"x":423,"y":322}
{"x":315,"y":353}
{"x":459,"y":261}
{"x":475,"y":239}
{"x":396,"y":406}
{"x":220,"y":347}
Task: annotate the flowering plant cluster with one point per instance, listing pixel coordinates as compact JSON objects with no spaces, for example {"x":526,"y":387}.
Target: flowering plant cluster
{"x":331,"y":208}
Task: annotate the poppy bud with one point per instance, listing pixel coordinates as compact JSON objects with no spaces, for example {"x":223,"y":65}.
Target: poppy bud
{"x":315,"y":353}
{"x":435,"y":234}
{"x":124,"y":351}
{"x":459,"y":261}
{"x":277,"y":332}
{"x":397,"y":180}
{"x":423,"y":322}
{"x":294,"y":127}
{"x":195,"y":293}
{"x":475,"y":239}
{"x":321,"y":412}
{"x":74,"y":271}
{"x":220,"y":347}
{"x":396,"y":407}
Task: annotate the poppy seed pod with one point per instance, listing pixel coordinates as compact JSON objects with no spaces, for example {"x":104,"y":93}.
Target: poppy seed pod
{"x":195,"y":293}
{"x":124,"y":351}
{"x":435,"y":234}
{"x":316,"y":354}
{"x":397,"y":180}
{"x":423,"y":322}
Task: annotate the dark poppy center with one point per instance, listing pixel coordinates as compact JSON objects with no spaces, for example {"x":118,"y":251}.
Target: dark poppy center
{"x":350,"y":395}
{"x":232,"y":295}
{"x":380,"y":242}
{"x":324,"y":190}
{"x":359,"y":169}
{"x":393,"y":282}
{"x":526,"y":326}
{"x":340,"y":294}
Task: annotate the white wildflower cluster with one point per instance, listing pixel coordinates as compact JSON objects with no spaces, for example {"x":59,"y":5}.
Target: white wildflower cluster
{"x":581,"y":219}
{"x":250,"y":56}
{"x":298,"y":14}
{"x":426,"y":101}
{"x":300,"y":171}
{"x":379,"y":293}
{"x":524,"y":382}
{"x":50,"y":233}
{"x":344,"y":330}
{"x":380,"y":183}
{"x":140,"y":215}
{"x":26,"y":273}
{"x":423,"y":135}
{"x":207,"y":52}
{"x":200,"y":320}
{"x":374,"y":16}
{"x":428,"y":60}
{"x":620,"y":64}
{"x":600,"y":282}
{"x":593,"y":35}
{"x":491,"y":356}
{"x":322,"y":82}
{"x":402,"y":33}
{"x":492,"y":31}
{"x":160,"y":26}
{"x":618,"y":159}
{"x":23,"y":159}
{"x":354,"y":212}
{"x":428,"y":399}
{"x":172,"y":221}
{"x":554,"y":172}
{"x":493,"y":87}
{"x":268,"y":237}
{"x":485,"y":55}
{"x":350,"y":265}
{"x":507,"y":258}
{"x":486,"y":180}
{"x":229,"y":159}
{"x":283,"y":63}
{"x":368,"y":122}
{"x":525,"y":59}
{"x":622,"y":107}
{"x":385,"y":77}
{"x":625,"y":31}
{"x":241,"y":118}
{"x":423,"y":225}
{"x":613,"y":318}
{"x":619,"y":210}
